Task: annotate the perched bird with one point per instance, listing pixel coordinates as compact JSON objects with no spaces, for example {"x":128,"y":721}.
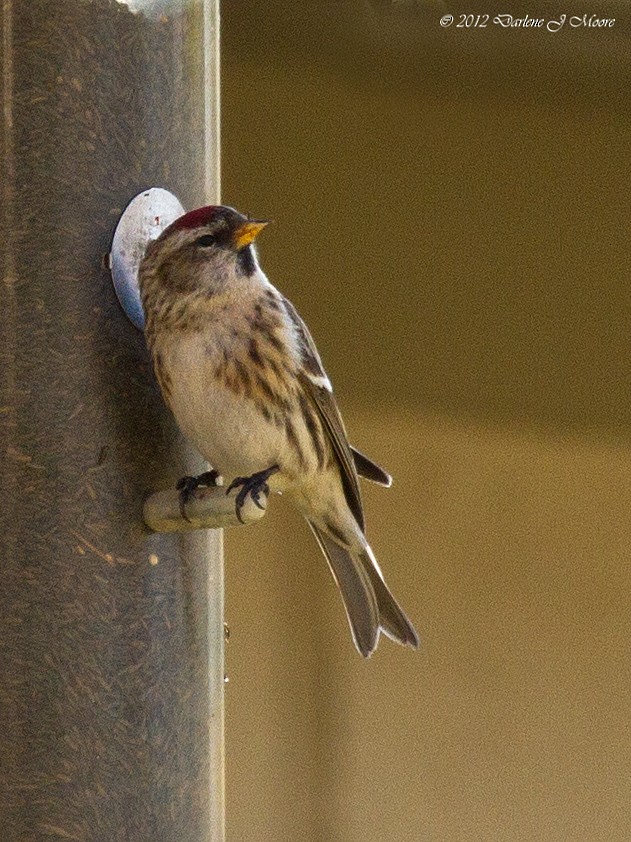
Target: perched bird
{"x":239,"y":370}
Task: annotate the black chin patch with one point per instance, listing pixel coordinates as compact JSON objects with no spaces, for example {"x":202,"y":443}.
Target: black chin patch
{"x":246,"y":264}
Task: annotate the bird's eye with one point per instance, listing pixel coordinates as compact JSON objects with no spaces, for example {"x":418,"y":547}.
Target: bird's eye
{"x":206,"y":240}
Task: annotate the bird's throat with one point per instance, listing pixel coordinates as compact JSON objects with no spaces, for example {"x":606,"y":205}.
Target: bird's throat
{"x":246,"y":262}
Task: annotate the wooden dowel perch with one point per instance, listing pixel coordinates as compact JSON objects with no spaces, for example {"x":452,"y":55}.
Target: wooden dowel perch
{"x":208,"y":508}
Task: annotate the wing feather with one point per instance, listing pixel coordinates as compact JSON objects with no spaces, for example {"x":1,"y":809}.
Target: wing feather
{"x":368,"y":469}
{"x":314,"y":381}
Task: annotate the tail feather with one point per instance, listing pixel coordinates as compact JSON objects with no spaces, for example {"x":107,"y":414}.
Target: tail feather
{"x":392,"y":619}
{"x":370,"y":607}
{"x":356,"y":589}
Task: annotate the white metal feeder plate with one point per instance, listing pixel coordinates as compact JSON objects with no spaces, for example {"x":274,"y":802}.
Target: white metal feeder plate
{"x":143,"y":220}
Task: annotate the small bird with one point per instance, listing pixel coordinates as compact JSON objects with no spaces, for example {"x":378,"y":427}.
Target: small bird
{"x":239,"y":370}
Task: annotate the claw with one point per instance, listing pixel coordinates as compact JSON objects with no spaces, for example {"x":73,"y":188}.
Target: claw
{"x":187,"y":486}
{"x":253,"y":486}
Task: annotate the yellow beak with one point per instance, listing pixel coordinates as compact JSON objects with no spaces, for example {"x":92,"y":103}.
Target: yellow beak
{"x":248,"y":232}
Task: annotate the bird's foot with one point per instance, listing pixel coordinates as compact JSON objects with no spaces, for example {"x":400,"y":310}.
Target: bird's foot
{"x":253,"y":486}
{"x":187,"y":486}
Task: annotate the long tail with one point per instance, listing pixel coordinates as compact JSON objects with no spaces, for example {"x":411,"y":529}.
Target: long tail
{"x":370,"y":607}
{"x":392,"y":619}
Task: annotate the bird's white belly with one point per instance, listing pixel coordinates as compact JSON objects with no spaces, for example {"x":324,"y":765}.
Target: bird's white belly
{"x":227,"y":429}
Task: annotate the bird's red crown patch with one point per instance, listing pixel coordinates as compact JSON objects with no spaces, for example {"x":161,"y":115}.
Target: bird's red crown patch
{"x":196,"y":218}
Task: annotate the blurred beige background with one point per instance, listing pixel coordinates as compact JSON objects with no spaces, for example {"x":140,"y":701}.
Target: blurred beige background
{"x":451,"y":215}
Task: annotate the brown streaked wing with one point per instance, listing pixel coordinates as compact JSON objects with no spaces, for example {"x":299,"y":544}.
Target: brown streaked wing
{"x":368,"y":469}
{"x":329,"y":413}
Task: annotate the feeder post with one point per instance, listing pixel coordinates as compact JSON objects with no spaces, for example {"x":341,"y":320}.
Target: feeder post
{"x":111,"y":635}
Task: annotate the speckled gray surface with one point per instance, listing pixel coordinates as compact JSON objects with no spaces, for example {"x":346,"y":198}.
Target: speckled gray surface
{"x":103,"y":657}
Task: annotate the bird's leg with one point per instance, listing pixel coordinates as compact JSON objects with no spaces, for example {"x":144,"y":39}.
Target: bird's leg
{"x":254,"y":486}
{"x":188,"y":485}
